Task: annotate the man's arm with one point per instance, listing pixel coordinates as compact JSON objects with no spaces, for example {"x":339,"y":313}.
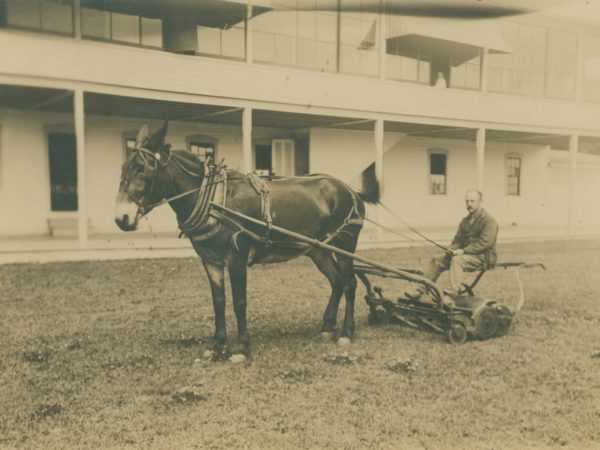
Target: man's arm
{"x":486,"y":240}
{"x":459,"y":238}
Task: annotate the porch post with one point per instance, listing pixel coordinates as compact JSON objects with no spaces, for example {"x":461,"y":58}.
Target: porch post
{"x":247,"y":140}
{"x":480,"y":143}
{"x":573,"y":148}
{"x":379,"y":135}
{"x":82,"y":229}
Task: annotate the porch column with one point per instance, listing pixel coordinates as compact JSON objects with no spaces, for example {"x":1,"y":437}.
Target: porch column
{"x":480,"y":143}
{"x":82,"y":229}
{"x":379,"y":135}
{"x":248,"y":40}
{"x":247,"y":140}
{"x":573,"y":148}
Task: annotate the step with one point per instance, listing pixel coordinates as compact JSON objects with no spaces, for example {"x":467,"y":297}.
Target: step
{"x":66,"y":226}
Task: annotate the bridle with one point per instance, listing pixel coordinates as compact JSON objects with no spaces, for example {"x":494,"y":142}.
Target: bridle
{"x":152,"y":160}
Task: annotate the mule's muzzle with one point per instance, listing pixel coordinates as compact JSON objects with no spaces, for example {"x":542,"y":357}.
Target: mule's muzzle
{"x":125,"y":223}
{"x":127,"y":215}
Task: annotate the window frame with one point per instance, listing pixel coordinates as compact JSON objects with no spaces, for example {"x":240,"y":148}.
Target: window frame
{"x":430,"y":153}
{"x":507,"y":175}
{"x":4,"y":21}
{"x":112,"y":40}
{"x":199,"y":139}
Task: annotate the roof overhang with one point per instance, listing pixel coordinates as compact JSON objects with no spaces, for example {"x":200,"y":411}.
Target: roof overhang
{"x":210,"y":13}
{"x":462,"y":40}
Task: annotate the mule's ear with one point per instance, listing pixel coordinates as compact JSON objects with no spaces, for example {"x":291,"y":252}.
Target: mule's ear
{"x":157,"y":140}
{"x":142,"y":135}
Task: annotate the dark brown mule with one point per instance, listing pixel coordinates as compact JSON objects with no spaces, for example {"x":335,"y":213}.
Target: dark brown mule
{"x":320,"y":207}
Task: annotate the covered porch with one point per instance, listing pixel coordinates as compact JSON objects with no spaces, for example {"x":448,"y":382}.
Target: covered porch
{"x":238,"y":131}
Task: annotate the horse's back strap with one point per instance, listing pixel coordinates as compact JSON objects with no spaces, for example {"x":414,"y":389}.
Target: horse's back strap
{"x":260,"y":186}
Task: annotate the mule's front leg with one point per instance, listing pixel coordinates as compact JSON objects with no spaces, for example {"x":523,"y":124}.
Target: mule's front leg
{"x":238,"y":278}
{"x":216,"y":276}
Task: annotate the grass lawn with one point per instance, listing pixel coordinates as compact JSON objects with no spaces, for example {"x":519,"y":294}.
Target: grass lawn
{"x":109,"y":355}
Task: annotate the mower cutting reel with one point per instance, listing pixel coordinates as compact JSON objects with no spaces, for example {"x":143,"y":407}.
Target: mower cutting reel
{"x":470,"y":316}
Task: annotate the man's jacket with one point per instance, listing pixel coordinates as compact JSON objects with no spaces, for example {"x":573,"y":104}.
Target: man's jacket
{"x":476,"y":235}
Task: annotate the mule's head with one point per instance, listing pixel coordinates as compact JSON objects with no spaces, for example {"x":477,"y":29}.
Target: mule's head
{"x":139,"y":187}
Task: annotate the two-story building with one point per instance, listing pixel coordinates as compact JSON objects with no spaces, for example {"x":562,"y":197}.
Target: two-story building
{"x":508,"y":105}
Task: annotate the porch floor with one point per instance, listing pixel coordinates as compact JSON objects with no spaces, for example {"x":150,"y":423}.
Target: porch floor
{"x":39,"y":248}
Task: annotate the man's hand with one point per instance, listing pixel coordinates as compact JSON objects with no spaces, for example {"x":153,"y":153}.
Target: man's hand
{"x":458,"y":251}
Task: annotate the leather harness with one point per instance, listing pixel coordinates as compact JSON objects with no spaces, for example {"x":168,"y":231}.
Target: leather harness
{"x":204,"y":223}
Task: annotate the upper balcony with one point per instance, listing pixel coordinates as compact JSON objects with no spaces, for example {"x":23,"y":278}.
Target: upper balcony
{"x":277,"y":53}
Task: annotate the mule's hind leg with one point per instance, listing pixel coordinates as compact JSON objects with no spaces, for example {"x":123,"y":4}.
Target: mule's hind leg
{"x":346,"y":269}
{"x":238,"y":277}
{"x":216,"y":276}
{"x":324,"y":261}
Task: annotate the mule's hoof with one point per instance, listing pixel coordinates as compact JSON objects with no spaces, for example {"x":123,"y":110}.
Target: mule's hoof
{"x":344,"y":341}
{"x":327,"y":336}
{"x":238,"y":358}
{"x":208,"y":354}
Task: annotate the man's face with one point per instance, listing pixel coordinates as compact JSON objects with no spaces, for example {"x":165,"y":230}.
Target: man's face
{"x":472,"y":202}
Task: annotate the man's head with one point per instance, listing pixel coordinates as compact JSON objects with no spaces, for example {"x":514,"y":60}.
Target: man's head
{"x":473,"y":200}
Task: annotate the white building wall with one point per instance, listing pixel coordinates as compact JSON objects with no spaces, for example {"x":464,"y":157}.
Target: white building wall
{"x":24,"y":175}
{"x":531,"y":206}
{"x":406,"y":176}
{"x":25,"y":179}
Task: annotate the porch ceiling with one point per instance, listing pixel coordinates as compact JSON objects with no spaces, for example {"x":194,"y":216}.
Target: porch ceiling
{"x":39,"y":99}
{"x":56,"y":100}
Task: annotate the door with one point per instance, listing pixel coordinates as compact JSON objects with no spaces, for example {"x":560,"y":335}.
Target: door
{"x":283,"y":157}
{"x":262,"y":159}
{"x":62,"y":154}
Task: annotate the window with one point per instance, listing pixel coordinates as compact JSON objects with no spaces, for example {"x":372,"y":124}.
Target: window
{"x":405,"y":68}
{"x":466,"y":75}
{"x":523,"y":71}
{"x":55,"y":16}
{"x":437,"y":173}
{"x":118,"y":27}
{"x":513,"y":175}
{"x":288,"y":37}
{"x":591,"y":68}
{"x":227,"y":43}
{"x":359,"y":43}
{"x":561,"y":64}
{"x":205,"y":150}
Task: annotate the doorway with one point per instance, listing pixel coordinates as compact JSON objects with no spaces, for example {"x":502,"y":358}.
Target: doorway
{"x":62,"y":156}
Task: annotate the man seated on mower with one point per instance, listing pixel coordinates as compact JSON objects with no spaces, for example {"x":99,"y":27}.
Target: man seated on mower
{"x":473,"y":248}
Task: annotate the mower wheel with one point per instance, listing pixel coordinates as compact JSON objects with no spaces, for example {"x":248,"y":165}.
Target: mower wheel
{"x":457,"y":333}
{"x":485,"y":321}
{"x":505,"y":317}
{"x":379,"y":316}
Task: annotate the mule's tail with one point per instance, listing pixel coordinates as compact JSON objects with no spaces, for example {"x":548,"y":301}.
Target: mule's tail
{"x":370,"y":186}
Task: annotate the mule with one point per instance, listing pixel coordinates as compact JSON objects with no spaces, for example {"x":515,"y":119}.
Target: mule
{"x":317,"y":206}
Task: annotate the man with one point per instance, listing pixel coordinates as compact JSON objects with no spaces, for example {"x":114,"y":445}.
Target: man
{"x":473,"y":248}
